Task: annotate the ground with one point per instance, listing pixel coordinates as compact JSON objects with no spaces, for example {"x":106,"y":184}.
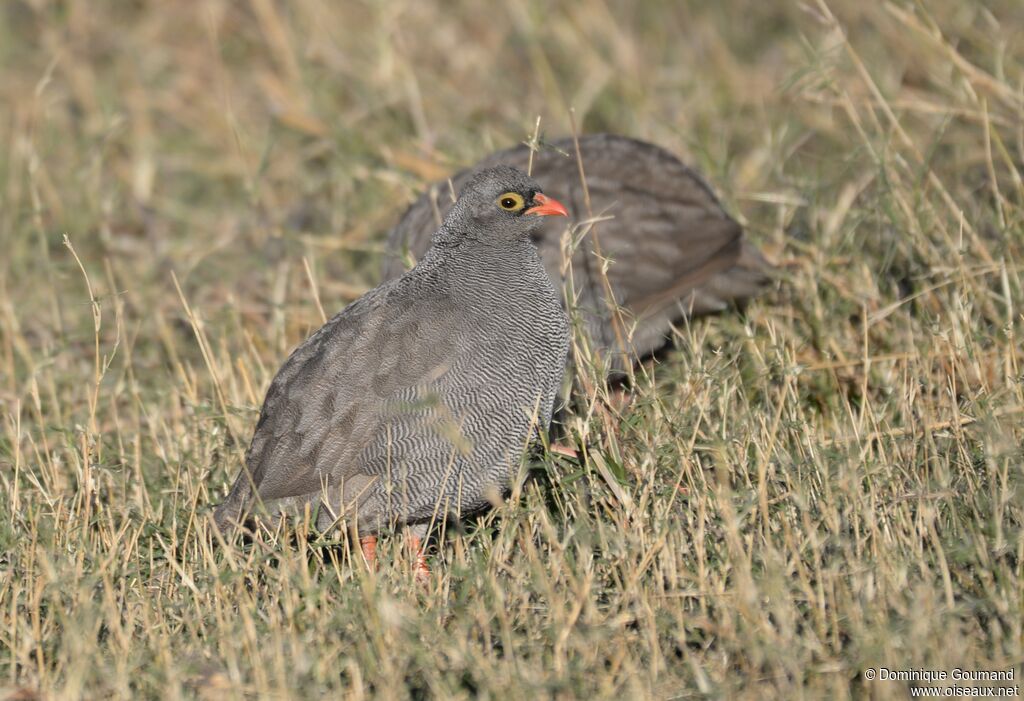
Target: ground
{"x":826,"y":483}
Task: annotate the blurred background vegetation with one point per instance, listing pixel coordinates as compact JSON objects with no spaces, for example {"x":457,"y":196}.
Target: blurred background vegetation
{"x":181,"y":182}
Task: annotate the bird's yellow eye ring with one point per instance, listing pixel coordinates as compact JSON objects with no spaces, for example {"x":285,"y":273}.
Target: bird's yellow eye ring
{"x":511,"y":202}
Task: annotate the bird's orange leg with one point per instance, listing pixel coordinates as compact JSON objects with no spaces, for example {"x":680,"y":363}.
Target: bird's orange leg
{"x":619,"y":399}
{"x":368,"y":544}
{"x":420,"y":568}
{"x":564,"y":450}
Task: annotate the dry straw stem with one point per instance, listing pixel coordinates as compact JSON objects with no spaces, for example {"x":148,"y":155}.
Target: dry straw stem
{"x":829,"y":481}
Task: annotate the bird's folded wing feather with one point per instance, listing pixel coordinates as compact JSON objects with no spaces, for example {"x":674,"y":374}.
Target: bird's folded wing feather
{"x":677,"y":241}
{"x":328,"y":401}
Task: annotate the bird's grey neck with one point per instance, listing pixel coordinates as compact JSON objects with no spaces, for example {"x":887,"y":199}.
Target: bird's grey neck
{"x":450,"y":237}
{"x":446,"y":236}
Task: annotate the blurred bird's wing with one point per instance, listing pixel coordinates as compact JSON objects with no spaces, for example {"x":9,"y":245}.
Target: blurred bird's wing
{"x":668,"y":233}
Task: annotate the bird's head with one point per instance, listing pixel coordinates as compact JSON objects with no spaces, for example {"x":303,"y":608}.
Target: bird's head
{"x":501,"y":203}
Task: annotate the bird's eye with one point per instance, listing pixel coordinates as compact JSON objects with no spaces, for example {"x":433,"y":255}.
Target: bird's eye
{"x":511,"y":202}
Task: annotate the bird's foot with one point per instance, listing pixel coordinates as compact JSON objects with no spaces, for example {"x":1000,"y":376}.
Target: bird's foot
{"x":565,"y":450}
{"x":619,"y":399}
{"x":420,"y":567}
{"x":368,"y":544}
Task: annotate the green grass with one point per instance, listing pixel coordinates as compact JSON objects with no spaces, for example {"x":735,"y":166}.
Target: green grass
{"x":829,"y":482}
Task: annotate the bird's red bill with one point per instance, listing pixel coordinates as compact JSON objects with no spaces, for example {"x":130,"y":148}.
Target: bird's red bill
{"x":547,"y":206}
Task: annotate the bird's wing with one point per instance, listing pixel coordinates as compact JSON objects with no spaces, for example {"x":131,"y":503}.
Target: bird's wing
{"x":328,"y":401}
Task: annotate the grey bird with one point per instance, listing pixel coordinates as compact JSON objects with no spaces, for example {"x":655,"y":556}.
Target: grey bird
{"x":418,"y":400}
{"x":675,"y":252}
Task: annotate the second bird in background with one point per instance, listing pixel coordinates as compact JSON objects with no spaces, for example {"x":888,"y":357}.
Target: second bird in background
{"x":675,"y":252}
